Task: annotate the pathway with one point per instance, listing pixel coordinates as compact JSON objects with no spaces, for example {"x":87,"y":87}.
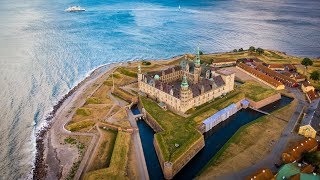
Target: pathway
{"x":141,"y":162}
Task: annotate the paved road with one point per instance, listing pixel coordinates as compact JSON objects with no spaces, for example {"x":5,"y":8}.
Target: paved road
{"x":275,"y":155}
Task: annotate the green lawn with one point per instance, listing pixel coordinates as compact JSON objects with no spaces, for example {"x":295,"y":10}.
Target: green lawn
{"x":127,"y":72}
{"x":93,"y":100}
{"x":118,"y":162}
{"x":255,"y":91}
{"x":80,"y":125}
{"x":83,"y":112}
{"x":177,"y":130}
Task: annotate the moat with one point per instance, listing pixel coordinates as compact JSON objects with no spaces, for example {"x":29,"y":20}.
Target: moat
{"x":214,"y":140}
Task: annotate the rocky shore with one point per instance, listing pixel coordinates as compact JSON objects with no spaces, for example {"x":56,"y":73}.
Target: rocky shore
{"x":40,"y":167}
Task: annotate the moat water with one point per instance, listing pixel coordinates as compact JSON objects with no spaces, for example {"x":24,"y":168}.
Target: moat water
{"x":214,"y":140}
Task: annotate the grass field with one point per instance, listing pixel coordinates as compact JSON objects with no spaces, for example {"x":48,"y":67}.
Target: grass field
{"x":118,"y":162}
{"x":105,"y":147}
{"x":177,"y":130}
{"x":249,"y":144}
{"x":80,"y":125}
{"x":256,"y":92}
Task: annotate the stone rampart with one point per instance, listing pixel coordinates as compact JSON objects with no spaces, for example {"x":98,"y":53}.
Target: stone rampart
{"x":264,"y":102}
{"x":170,"y":169}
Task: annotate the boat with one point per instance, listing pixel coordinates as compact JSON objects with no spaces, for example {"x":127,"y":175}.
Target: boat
{"x":74,"y":9}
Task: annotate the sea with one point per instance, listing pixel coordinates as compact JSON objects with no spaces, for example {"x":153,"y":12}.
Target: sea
{"x":45,"y":52}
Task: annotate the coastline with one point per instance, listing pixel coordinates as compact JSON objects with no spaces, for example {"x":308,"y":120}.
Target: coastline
{"x":39,"y":169}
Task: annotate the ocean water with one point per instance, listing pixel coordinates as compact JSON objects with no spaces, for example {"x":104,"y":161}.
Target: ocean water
{"x":44,"y":51}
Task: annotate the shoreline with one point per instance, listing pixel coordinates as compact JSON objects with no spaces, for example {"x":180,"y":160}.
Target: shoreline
{"x":39,"y":169}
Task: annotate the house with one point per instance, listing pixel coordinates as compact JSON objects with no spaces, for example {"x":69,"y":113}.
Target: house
{"x":276,"y":75}
{"x":290,"y":67}
{"x":223,"y":63}
{"x":306,"y":86}
{"x":276,"y":67}
{"x":312,"y":95}
{"x":296,"y":171}
{"x":261,"y":76}
{"x":263,"y":174}
{"x":310,"y":123}
{"x":295,"y":152}
{"x":299,"y":78}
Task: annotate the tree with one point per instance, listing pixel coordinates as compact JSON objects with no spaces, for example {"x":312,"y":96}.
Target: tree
{"x":240,"y":50}
{"x":235,"y":50}
{"x":307,"y":62}
{"x":200,"y":53}
{"x":315,"y":75}
{"x":260,"y":51}
{"x":252,"y":49}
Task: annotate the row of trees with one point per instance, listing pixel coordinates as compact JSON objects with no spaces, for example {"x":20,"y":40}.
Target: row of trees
{"x":251,"y":49}
{"x":315,"y":75}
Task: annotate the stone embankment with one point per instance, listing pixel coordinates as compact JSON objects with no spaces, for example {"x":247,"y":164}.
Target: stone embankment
{"x":40,"y":168}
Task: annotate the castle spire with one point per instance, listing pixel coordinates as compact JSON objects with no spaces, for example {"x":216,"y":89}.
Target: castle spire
{"x":139,"y":69}
{"x":197,"y":61}
{"x":184,"y":83}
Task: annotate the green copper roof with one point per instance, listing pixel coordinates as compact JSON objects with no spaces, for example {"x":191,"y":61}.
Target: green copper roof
{"x":157,"y":77}
{"x":184,"y":82}
{"x":197,"y":61}
{"x":287,"y":171}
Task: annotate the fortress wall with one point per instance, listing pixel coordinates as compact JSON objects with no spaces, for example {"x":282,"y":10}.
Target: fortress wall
{"x":265,"y":101}
{"x":170,"y":169}
{"x":149,"y":119}
{"x":152,"y":123}
{"x":187,"y":156}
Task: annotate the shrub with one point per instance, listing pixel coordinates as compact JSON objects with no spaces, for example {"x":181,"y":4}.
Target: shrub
{"x":79,"y":125}
{"x":93,"y":100}
{"x":70,"y":140}
{"x":83,"y":112}
{"x":146,"y":63}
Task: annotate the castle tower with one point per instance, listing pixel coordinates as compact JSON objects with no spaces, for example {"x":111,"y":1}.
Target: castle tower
{"x":197,"y":67}
{"x":185,"y":94}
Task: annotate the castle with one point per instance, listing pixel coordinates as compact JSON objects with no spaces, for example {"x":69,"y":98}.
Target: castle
{"x":186,"y":85}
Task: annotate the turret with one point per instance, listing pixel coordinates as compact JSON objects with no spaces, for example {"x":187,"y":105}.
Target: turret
{"x":197,"y":60}
{"x":184,"y":83}
{"x":185,"y":94}
{"x":197,"y":68}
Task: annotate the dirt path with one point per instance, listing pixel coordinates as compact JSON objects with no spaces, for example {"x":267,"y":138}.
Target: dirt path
{"x":56,"y":151}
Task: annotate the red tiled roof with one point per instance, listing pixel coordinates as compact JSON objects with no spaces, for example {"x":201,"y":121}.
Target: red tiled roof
{"x":312,"y":95}
{"x":284,"y":79}
{"x":276,"y":66}
{"x":294,"y":153}
{"x":260,"y":75}
{"x":264,"y":174}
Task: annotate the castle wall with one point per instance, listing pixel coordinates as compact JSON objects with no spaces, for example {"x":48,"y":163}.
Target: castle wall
{"x":265,"y":101}
{"x":171,"y":101}
{"x":170,"y":169}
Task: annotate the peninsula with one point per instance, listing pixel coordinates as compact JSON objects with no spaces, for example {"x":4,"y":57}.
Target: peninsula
{"x":93,"y":133}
